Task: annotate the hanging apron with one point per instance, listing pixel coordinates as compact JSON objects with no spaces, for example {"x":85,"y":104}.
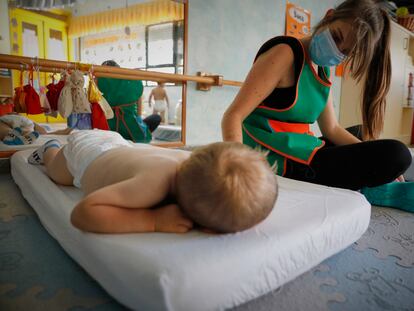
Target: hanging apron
{"x":285,"y":133}
{"x":122,"y":96}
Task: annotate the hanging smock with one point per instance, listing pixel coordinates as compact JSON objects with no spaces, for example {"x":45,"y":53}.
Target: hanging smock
{"x":122,"y":96}
{"x":73,"y":103}
{"x":281,"y":123}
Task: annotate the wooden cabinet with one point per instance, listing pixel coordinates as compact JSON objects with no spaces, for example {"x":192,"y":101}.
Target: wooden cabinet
{"x":398,"y":118}
{"x":6,"y":85}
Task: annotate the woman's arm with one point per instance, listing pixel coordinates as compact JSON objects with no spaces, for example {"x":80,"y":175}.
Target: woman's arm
{"x":265,"y":75}
{"x":331,"y":129}
{"x":139,"y":106}
{"x":167,"y":100}
{"x":334,"y":132}
{"x":150,"y":98}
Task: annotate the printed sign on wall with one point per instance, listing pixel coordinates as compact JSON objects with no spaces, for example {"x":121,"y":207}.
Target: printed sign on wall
{"x":297,"y":21}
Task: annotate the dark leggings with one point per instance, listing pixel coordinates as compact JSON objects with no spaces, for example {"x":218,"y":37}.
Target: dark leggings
{"x":152,"y":122}
{"x":366,"y":164}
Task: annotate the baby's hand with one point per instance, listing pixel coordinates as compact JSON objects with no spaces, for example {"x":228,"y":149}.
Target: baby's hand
{"x":170,"y":219}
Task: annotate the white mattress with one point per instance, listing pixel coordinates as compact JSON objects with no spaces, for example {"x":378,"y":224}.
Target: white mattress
{"x":167,"y":133}
{"x":199,"y":271}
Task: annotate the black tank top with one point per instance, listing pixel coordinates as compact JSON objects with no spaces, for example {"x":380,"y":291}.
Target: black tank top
{"x":282,"y":98}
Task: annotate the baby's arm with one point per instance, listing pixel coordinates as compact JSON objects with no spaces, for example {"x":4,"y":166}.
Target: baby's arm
{"x":65,"y":131}
{"x":41,"y":130}
{"x":124,"y":207}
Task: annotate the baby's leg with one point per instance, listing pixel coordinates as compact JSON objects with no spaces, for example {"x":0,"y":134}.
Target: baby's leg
{"x":40,"y":129}
{"x":56,"y":167}
{"x":51,"y":155}
{"x":65,"y":131}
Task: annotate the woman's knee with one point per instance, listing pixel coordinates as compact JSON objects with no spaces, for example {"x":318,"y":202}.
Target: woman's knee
{"x":398,"y":154}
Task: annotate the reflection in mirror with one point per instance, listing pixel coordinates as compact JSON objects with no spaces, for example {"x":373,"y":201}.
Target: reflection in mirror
{"x":135,"y":34}
{"x":152,"y":47}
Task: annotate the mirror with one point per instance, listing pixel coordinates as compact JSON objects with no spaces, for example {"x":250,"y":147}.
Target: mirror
{"x":137,"y":34}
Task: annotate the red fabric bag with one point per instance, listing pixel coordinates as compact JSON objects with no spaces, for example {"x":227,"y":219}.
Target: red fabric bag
{"x":6,"y":109}
{"x":98,"y":117}
{"x":32,"y":99}
{"x":19,"y":95}
{"x":54,"y":93}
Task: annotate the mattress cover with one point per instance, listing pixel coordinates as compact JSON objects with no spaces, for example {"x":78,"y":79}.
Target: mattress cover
{"x":200,"y":271}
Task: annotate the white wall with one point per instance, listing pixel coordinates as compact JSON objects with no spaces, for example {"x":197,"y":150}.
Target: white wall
{"x":4,"y":28}
{"x":223,"y":38}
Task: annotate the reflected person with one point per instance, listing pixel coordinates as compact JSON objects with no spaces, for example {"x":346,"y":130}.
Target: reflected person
{"x":123,"y":96}
{"x":161,"y":101}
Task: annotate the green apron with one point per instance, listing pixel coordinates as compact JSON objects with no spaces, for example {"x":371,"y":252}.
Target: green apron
{"x":285,"y":132}
{"x":122,"y":96}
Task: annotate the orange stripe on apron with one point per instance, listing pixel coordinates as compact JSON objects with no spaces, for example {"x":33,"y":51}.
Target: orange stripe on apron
{"x":280,"y":126}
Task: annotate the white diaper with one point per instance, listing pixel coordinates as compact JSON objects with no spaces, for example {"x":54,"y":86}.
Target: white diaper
{"x":85,"y":146}
{"x":160,"y":105}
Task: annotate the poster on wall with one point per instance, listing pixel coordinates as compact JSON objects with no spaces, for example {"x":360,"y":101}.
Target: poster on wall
{"x":297,"y":21}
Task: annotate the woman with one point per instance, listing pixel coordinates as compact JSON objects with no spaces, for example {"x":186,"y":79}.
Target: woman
{"x":288,"y":88}
{"x":124,"y":96}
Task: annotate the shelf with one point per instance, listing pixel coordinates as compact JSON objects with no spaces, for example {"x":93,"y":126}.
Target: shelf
{"x":408,"y":107}
{"x":5,"y":77}
{"x":6,"y":95}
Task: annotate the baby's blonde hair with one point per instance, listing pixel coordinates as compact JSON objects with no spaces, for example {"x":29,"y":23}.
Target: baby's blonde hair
{"x":226,"y":187}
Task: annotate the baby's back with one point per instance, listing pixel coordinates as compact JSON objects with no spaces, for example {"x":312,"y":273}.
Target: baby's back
{"x":158,"y":93}
{"x":124,"y":163}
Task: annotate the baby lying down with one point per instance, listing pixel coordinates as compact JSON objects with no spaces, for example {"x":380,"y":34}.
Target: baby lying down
{"x":224,"y":187}
{"x":16,"y":129}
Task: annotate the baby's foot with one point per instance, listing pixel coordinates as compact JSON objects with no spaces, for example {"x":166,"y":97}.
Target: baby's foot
{"x":14,"y":137}
{"x":36,"y":157}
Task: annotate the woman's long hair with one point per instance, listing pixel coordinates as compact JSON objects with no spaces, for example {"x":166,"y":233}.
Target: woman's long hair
{"x":370,"y":57}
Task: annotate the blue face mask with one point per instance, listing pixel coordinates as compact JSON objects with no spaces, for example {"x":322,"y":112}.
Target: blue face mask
{"x":323,"y":50}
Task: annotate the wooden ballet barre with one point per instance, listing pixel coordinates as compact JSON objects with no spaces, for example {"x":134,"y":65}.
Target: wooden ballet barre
{"x":53,"y":70}
{"x":47,"y":65}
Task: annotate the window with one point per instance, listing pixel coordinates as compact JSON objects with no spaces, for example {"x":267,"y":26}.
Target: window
{"x":165,"y":48}
{"x":154,"y":48}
